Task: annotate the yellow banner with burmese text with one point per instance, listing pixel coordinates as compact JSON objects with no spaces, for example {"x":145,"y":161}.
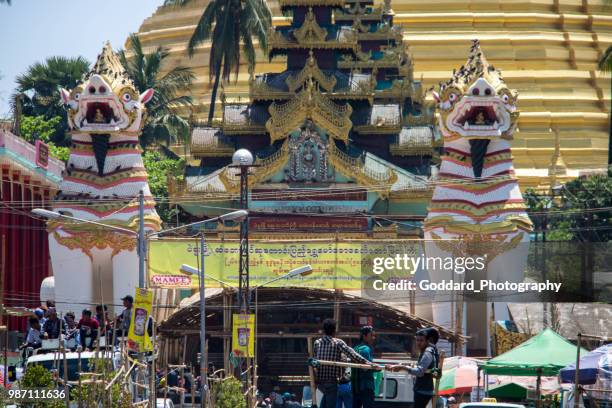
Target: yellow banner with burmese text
{"x":336,"y":264}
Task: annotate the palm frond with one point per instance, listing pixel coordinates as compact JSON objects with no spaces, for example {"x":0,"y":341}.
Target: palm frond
{"x":163,"y":123}
{"x":178,"y":3}
{"x":248,"y":47}
{"x":258,"y":18}
{"x":203,"y":29}
{"x":605,"y":62}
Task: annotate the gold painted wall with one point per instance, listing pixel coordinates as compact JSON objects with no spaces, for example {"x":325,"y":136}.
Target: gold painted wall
{"x":547,"y":49}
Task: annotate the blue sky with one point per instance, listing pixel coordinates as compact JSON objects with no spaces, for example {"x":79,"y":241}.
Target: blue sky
{"x":31,"y":30}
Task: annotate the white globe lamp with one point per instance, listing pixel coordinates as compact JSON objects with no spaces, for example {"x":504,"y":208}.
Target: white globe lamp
{"x":47,"y":290}
{"x":242,"y":157}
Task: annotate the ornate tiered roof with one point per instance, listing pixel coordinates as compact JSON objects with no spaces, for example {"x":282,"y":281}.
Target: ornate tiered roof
{"x":348,"y":88}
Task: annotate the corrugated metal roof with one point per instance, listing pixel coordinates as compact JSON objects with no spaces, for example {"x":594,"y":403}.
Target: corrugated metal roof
{"x":417,"y":136}
{"x":208,"y":137}
{"x":245,"y":114}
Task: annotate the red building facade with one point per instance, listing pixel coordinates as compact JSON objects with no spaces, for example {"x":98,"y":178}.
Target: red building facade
{"x":29,"y":180}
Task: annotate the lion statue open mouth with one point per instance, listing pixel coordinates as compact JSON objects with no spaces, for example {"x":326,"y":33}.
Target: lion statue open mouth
{"x":107,"y":100}
{"x":477,"y":209}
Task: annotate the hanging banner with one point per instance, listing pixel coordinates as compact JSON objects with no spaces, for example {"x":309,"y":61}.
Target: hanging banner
{"x":243,"y":335}
{"x":336,"y":265}
{"x":139,"y":335}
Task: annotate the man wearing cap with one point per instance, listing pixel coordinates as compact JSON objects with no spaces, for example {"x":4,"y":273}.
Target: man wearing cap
{"x":426,"y":367}
{"x":125,"y":318}
{"x":51,"y":327}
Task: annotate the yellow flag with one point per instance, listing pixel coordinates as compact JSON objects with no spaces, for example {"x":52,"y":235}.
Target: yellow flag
{"x":139,"y":336}
{"x":243,"y":335}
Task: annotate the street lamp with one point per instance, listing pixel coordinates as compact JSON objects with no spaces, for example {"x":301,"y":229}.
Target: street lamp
{"x":54,"y":215}
{"x":301,"y":271}
{"x":190,"y":270}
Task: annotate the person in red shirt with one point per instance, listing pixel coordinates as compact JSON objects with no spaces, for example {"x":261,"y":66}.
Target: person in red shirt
{"x":88,"y":328}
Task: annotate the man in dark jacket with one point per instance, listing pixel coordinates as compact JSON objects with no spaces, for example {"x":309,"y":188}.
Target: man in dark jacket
{"x":426,"y":367}
{"x":52,"y":327}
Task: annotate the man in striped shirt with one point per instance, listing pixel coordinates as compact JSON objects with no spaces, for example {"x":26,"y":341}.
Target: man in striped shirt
{"x":330,"y":348}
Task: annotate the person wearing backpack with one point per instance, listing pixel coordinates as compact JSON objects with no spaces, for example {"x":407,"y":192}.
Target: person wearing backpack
{"x":363,"y":380}
{"x":427,"y":366}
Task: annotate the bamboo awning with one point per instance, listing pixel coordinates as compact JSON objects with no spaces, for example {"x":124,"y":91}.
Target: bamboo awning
{"x":396,"y":315}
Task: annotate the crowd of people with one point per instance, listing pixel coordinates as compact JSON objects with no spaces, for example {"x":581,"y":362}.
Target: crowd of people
{"x":277,"y":399}
{"x":341,"y":387}
{"x":45,"y":324}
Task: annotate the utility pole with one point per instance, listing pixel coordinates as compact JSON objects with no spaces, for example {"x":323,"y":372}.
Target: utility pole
{"x":243,"y":268}
{"x":142,"y":248}
{"x":203,"y":359}
{"x":243,"y":160}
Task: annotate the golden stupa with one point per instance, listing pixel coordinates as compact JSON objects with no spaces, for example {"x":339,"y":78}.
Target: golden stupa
{"x":547,"y":49}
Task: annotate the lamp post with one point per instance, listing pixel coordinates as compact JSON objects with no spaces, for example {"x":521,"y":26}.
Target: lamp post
{"x":243,"y":160}
{"x":141,"y":249}
{"x":233,"y":216}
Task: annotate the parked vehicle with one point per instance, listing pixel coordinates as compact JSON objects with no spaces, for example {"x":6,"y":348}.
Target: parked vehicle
{"x":54,"y":361}
{"x":489,"y":403}
{"x":394,"y":390}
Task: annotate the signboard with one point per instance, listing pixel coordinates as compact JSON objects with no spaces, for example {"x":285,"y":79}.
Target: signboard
{"x":288,"y":224}
{"x":42,"y":154}
{"x":243,"y":335}
{"x":336,"y":265}
{"x":139,"y":336}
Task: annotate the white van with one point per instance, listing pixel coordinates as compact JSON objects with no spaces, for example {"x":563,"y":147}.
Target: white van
{"x":52,"y":361}
{"x":395,"y":389}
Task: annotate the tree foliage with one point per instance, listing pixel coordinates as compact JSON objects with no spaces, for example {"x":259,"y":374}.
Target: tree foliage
{"x":228,"y":394}
{"x":37,"y":91}
{"x":34,"y":128}
{"x":36,"y":376}
{"x":579,"y":211}
{"x":163,"y":124}
{"x":228,"y":24}
{"x":159,"y":168}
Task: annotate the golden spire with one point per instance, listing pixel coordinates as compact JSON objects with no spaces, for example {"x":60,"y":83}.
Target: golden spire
{"x":310,"y":31}
{"x":557,"y":164}
{"x":311,"y":71}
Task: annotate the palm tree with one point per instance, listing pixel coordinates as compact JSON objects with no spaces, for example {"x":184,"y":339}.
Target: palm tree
{"x":605,"y":65}
{"x":227,"y":23}
{"x":163,"y":124}
{"x":37,"y":89}
{"x":5,"y":1}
